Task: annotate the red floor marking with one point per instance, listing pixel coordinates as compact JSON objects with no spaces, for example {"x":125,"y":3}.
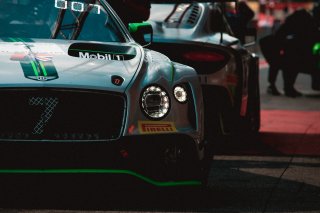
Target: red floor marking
{"x":291,"y":132}
{"x":286,"y":121}
{"x":263,"y":64}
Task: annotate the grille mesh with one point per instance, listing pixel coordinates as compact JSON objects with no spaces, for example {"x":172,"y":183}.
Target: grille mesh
{"x":50,"y":104}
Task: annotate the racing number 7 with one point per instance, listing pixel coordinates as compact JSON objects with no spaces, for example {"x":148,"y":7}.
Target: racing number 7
{"x":49,"y":107}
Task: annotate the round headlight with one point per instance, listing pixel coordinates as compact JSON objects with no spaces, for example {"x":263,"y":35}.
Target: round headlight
{"x":180,"y":94}
{"x":155,"y":102}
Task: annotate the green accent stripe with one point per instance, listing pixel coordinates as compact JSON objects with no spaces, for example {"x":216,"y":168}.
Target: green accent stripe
{"x":94,"y":51}
{"x":26,"y":40}
{"x":20,"y":39}
{"x":13,"y":40}
{"x":43,"y":69}
{"x":172,"y":72}
{"x":50,"y":69}
{"x":34,"y":67}
{"x":100,"y":171}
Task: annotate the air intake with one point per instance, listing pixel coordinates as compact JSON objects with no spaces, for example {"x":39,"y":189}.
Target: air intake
{"x":194,"y":15}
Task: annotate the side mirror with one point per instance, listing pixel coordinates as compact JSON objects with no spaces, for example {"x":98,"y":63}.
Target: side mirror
{"x":141,"y":32}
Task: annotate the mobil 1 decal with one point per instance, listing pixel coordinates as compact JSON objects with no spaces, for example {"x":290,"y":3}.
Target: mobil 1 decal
{"x":38,"y":66}
{"x":102,"y":51}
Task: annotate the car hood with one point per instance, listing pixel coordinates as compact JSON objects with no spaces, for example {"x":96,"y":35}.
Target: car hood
{"x":68,"y":64}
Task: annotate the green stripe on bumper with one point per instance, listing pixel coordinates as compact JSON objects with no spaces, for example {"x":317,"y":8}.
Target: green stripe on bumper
{"x":101,"y":171}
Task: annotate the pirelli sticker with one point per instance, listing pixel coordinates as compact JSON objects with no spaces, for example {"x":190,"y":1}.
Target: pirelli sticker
{"x":156,"y":127}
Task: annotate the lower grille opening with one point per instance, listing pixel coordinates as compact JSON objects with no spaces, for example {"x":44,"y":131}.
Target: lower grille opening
{"x":53,"y":114}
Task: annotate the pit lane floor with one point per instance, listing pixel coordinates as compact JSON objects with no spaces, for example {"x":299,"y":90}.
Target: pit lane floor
{"x":276,"y":171}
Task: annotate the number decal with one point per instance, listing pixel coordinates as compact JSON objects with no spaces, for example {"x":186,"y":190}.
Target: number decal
{"x":49,"y":107}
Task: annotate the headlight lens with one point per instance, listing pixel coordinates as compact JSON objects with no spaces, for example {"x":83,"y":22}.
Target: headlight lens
{"x":155,"y":102}
{"x":180,"y":94}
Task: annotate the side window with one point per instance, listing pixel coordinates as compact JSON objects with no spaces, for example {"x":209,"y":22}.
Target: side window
{"x":104,"y":29}
{"x":82,"y":21}
{"x":67,"y":26}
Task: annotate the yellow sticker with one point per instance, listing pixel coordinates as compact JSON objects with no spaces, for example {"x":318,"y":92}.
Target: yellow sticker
{"x":156,"y":127}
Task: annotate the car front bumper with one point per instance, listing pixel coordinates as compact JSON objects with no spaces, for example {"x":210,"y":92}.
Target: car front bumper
{"x":159,"y":160}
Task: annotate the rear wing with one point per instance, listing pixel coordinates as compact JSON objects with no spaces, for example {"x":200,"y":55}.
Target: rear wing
{"x":250,"y":31}
{"x":195,"y":1}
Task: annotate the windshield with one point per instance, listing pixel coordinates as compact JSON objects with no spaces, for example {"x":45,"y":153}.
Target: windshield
{"x":85,"y":20}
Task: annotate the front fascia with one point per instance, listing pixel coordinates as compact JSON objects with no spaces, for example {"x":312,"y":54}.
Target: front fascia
{"x":157,"y":69}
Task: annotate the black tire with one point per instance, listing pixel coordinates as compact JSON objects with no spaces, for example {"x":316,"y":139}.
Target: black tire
{"x":219,"y":113}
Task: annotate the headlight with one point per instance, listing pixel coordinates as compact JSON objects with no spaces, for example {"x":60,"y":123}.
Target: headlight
{"x":180,"y":94}
{"x":155,"y":102}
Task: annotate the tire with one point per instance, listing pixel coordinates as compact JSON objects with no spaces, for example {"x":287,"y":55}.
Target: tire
{"x":219,"y":113}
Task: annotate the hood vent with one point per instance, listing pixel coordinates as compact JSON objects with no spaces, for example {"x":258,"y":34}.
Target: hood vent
{"x":191,"y":16}
{"x":194,"y":15}
{"x":183,"y":16}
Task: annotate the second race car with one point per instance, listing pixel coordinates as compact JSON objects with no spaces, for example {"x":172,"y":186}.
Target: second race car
{"x":198,"y":34}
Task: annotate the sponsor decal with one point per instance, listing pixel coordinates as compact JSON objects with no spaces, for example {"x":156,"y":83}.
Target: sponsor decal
{"x":117,"y":80}
{"x":37,"y":67}
{"x":156,"y":127}
{"x":102,"y":51}
{"x":101,"y":56}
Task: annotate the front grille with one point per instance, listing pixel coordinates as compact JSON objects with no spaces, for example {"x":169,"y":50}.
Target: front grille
{"x":56,"y":114}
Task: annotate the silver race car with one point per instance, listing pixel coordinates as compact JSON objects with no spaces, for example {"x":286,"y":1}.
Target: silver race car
{"x":79,"y":95}
{"x":198,"y":34}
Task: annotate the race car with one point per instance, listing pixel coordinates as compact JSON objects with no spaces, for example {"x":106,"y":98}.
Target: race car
{"x":198,"y":34}
{"x":79,"y":95}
